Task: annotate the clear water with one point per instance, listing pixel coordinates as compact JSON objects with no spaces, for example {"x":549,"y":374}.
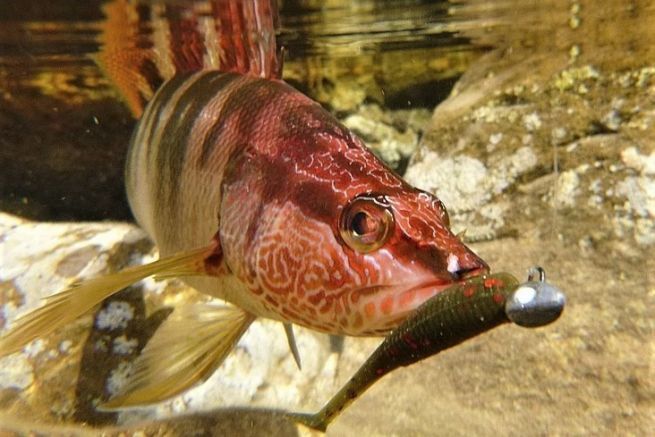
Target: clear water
{"x":579,"y":78}
{"x":55,"y":92}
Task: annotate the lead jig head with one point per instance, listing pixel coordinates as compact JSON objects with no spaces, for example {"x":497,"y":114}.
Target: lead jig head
{"x":536,"y":302}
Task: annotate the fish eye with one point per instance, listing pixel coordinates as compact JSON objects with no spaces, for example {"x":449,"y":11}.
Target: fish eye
{"x":366,"y":223}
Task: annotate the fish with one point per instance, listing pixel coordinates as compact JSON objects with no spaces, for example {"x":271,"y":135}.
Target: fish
{"x":254,"y":194}
{"x":459,"y":313}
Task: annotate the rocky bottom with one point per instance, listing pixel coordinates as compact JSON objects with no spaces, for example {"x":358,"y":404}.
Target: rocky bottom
{"x":590,"y":372}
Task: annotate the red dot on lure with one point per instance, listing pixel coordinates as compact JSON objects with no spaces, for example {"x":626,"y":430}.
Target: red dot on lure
{"x":493,"y":282}
{"x":409,"y":340}
{"x":498,"y":298}
{"x":469,"y":291}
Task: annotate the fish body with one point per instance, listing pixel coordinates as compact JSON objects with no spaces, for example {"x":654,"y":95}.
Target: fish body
{"x":257,"y":195}
{"x":270,"y":173}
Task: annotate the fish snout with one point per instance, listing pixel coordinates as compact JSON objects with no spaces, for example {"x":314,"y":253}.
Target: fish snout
{"x":463,"y":264}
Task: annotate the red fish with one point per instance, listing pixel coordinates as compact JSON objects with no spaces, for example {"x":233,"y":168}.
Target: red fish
{"x":257,"y":195}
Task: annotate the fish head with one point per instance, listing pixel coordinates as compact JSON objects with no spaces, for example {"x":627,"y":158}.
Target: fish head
{"x":402,"y":240}
{"x":327,"y":236}
{"x":413,"y":227}
{"x":351,"y":259}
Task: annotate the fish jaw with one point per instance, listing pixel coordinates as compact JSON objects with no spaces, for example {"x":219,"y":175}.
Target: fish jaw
{"x":377,"y":309}
{"x":385,"y":311}
{"x":296,"y":271}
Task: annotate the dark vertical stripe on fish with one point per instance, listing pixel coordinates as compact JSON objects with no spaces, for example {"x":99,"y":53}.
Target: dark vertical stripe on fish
{"x":174,"y":144}
{"x":149,"y":71}
{"x":141,"y":146}
{"x":258,"y":93}
{"x":151,"y":119}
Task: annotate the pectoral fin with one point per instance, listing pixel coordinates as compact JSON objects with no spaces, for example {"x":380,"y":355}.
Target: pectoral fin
{"x":185,"y":350}
{"x":65,"y":306}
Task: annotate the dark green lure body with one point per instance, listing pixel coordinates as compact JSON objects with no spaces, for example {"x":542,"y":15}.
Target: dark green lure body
{"x":461,"y":312}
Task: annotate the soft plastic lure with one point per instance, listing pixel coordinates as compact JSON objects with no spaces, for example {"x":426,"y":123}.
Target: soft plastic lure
{"x":452,"y":316}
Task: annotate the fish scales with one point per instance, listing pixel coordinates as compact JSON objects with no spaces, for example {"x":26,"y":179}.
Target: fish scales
{"x":290,"y":159}
{"x":255,"y":194}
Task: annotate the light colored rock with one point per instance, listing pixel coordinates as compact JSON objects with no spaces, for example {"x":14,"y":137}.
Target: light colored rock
{"x":555,"y":145}
{"x":566,"y":189}
{"x":456,"y":181}
{"x":467,"y":186}
{"x":16,"y":372}
{"x":644,"y":164}
{"x":391,"y":135}
{"x":39,"y":259}
{"x":589,"y":372}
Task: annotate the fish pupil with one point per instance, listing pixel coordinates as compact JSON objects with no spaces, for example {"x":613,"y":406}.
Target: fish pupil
{"x":362,"y":224}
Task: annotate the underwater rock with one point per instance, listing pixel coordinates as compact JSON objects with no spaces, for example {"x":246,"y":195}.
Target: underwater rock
{"x":581,"y":141}
{"x":585,"y":373}
{"x":60,"y":378}
{"x":391,"y":135}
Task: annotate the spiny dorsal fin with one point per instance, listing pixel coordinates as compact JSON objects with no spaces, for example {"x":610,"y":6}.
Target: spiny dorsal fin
{"x":247,"y":36}
{"x":66,"y":306}
{"x":185,"y":350}
{"x":145,"y":43}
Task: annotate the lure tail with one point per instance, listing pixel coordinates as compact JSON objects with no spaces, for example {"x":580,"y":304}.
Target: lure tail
{"x":66,"y":306}
{"x":454,"y":315}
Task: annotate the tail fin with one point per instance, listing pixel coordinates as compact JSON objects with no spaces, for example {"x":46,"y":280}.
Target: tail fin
{"x":185,"y":350}
{"x":145,"y":43}
{"x":64,"y":307}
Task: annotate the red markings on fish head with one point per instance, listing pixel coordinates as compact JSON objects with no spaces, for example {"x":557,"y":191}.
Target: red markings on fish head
{"x":309,"y":212}
{"x":386,"y":305}
{"x":423,"y":237}
{"x":369,"y":310}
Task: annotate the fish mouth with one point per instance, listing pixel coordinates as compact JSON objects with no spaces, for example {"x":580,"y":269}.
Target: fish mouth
{"x":425,"y":289}
{"x":471,"y":273}
{"x":392,"y":303}
{"x":412,"y":297}
{"x":442,"y":284}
